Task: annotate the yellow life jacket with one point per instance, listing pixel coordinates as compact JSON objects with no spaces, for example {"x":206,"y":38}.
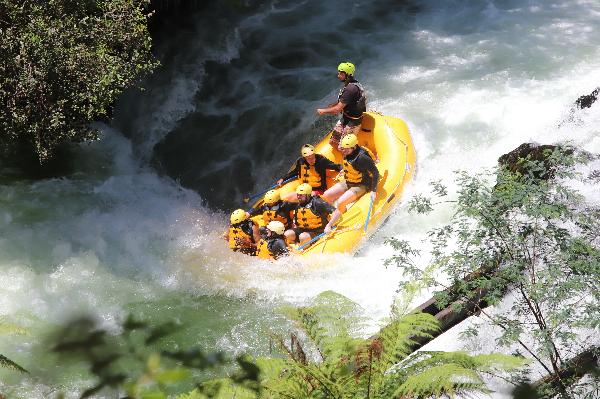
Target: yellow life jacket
{"x":308,"y":174}
{"x":271,"y":214}
{"x":306,"y":219}
{"x":262,"y":249}
{"x":237,"y":232}
{"x":354,"y":176}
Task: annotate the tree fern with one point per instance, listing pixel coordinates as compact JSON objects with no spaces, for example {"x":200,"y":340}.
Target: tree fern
{"x":378,"y":367}
{"x":9,"y":364}
{"x":447,"y":379}
{"x":330,"y":322}
{"x":10,"y":329}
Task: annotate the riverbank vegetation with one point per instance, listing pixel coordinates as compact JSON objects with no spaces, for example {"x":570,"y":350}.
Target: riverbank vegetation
{"x":62,"y":65}
{"x":522,"y":247}
{"x":324,"y":358}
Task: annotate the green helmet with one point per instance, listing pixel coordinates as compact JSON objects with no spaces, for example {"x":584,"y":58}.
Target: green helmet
{"x":347,"y":67}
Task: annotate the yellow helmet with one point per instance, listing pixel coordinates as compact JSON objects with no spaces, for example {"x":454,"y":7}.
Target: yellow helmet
{"x":347,"y":67}
{"x":307,"y":149}
{"x":349,"y":141}
{"x":238,"y":216}
{"x":276,"y":227}
{"x":271,"y":197}
{"x":304,"y":189}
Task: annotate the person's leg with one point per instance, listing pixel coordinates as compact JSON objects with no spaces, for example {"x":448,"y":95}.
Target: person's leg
{"x":334,"y":192}
{"x":346,"y":198}
{"x":334,"y":140}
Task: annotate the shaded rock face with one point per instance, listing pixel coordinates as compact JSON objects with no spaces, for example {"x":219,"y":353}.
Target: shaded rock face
{"x":513,"y":160}
{"x":236,"y":94}
{"x":588,"y":100}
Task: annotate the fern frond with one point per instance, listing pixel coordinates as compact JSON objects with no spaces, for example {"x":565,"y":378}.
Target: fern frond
{"x":447,"y":379}
{"x":191,"y":395}
{"x":399,"y":337}
{"x":330,"y":322}
{"x":499,"y":361}
{"x":9,"y":364}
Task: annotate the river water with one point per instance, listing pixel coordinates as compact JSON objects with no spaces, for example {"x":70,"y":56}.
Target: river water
{"x":472,"y":79}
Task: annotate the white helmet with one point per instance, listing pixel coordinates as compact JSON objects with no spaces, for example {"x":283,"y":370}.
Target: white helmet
{"x":276,"y":227}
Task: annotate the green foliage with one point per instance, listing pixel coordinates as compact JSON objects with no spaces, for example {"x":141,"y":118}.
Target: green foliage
{"x":132,"y":361}
{"x":531,"y":235}
{"x":7,"y":328}
{"x":378,"y":367}
{"x":62,"y":65}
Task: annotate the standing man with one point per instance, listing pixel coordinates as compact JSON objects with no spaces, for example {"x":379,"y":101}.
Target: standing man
{"x":360,"y":176}
{"x":310,"y":168}
{"x":351,"y":103}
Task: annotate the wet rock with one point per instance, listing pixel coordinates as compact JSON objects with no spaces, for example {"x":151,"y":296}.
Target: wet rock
{"x":587,"y":101}
{"x":515,"y":159}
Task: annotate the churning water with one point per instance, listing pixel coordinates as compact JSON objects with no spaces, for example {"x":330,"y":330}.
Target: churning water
{"x":225,"y":115}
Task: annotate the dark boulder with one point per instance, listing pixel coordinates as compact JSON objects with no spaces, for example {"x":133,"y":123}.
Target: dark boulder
{"x":521,"y":159}
{"x":588,"y":100}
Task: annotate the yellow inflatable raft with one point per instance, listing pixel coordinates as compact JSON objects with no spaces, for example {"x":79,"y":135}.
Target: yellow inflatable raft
{"x":388,"y":138}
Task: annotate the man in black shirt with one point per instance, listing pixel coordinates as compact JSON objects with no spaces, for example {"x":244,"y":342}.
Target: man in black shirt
{"x":360,"y":176}
{"x":310,"y":168}
{"x":351,"y":102}
{"x":272,"y":246}
{"x":310,"y":216}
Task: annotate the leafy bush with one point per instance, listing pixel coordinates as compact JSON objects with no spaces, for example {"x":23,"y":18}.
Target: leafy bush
{"x":533,"y":235}
{"x":63,"y":63}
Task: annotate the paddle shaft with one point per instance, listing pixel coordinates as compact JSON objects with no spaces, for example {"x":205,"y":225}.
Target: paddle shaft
{"x":255,"y":196}
{"x":369,"y":215}
{"x":301,"y":247}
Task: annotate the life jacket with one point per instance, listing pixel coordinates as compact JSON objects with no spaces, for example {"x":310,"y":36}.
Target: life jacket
{"x":262,"y":249}
{"x":242,"y":231}
{"x":272,"y":212}
{"x":356,"y":109}
{"x":305,"y":218}
{"x":354,"y":176}
{"x":308,"y":174}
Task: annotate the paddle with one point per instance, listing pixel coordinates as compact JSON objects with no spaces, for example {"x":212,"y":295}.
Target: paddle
{"x":255,"y":196}
{"x":369,"y":214}
{"x":306,"y":244}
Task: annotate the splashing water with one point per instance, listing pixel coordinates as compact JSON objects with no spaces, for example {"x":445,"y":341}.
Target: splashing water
{"x":472,"y":79}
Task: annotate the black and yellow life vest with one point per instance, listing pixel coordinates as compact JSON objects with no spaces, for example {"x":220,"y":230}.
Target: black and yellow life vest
{"x":274,"y":214}
{"x":308,"y":174}
{"x":238,"y":231}
{"x":354,"y":176}
{"x":262,"y":249}
{"x":305,"y":218}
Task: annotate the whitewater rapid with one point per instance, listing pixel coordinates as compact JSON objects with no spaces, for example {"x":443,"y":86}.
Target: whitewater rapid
{"x":473,"y":80}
